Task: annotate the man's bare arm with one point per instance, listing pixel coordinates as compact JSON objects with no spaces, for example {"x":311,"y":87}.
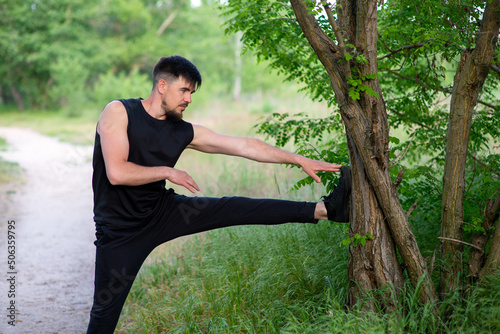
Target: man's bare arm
{"x":207,"y":141}
{"x":112,"y":128}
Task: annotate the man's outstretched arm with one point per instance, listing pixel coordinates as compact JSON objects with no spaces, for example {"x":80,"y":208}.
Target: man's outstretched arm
{"x":205,"y":140}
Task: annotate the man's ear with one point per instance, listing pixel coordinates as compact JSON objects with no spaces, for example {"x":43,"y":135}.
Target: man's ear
{"x":162,"y":86}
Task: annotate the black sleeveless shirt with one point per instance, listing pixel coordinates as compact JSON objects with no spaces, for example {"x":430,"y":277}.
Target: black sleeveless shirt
{"x":152,"y":142}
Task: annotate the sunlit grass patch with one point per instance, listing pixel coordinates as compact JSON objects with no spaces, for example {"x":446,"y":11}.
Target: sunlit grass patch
{"x":9,"y":171}
{"x":76,"y":130}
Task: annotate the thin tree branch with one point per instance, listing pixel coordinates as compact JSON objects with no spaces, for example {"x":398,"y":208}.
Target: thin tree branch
{"x":400,"y":114}
{"x":440,"y":89}
{"x":461,"y":242}
{"x":280,"y":19}
{"x":402,"y":153}
{"x":495,"y":68}
{"x":491,"y":218}
{"x":334,"y":25}
{"x":406,"y":47}
{"x":169,"y":19}
{"x":383,"y":42}
{"x":491,"y":211}
{"x":399,"y":178}
{"x":485,"y":165}
{"x":412,"y":207}
{"x":338,"y":36}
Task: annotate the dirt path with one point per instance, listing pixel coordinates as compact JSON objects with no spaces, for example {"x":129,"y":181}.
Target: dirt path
{"x":54,"y":230}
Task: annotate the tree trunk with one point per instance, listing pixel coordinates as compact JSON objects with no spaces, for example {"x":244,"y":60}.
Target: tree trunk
{"x":238,"y":67}
{"x":477,"y":255}
{"x":493,"y":261}
{"x":375,"y":201}
{"x":17,"y":97}
{"x":468,"y":83}
{"x":375,"y":264}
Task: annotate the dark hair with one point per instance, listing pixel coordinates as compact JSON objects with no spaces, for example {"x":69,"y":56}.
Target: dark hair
{"x":173,"y":67}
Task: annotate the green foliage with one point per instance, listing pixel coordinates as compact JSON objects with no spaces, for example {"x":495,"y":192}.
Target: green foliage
{"x":112,"y":86}
{"x":69,"y":80}
{"x":271,"y":32}
{"x":34,"y":36}
{"x":420,"y":47}
{"x":312,"y":138}
{"x":299,"y":127}
{"x":68,"y":54}
{"x":357,"y":85}
{"x":357,"y":239}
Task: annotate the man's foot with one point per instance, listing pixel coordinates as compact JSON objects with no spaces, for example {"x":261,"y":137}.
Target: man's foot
{"x":337,"y":202}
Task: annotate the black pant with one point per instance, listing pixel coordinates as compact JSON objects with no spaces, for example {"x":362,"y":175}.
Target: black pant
{"x":121,"y":252}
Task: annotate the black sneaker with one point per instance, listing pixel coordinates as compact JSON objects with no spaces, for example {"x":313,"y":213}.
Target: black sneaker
{"x":337,"y":202}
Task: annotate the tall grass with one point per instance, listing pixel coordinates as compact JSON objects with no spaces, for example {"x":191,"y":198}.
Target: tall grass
{"x":238,"y":280}
{"x":280,"y":279}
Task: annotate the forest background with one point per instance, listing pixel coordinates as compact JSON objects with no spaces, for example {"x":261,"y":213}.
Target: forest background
{"x":64,"y":60}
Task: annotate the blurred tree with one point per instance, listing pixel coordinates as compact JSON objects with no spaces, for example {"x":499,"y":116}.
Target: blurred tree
{"x":73,"y":53}
{"x":34,"y":37}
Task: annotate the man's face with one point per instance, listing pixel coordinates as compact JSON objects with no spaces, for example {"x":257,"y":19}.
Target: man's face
{"x":176,"y":98}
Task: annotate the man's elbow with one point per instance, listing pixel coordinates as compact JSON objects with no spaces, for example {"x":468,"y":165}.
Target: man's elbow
{"x":115,"y":177}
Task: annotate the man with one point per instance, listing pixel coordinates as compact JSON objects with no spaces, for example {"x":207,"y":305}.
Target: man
{"x":136,"y":147}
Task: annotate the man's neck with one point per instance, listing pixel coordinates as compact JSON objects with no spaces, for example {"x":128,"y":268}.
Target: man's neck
{"x":153,"y":108}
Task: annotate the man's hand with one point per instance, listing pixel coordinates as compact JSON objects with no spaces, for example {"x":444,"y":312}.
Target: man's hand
{"x":182,"y":178}
{"x":311,"y":167}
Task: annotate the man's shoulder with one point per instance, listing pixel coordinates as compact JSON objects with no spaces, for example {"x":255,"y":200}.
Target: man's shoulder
{"x":129,"y":103}
{"x":114,"y":108}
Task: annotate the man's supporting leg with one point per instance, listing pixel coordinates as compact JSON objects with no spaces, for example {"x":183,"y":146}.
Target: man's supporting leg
{"x":119,"y":256}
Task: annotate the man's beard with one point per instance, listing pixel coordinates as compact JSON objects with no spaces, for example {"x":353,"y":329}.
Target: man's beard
{"x":171,"y":113}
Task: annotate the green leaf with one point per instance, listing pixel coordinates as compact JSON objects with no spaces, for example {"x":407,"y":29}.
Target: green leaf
{"x":394,"y":140}
{"x":354,"y":94}
{"x":361,"y":59}
{"x":371,"y":92}
{"x":346,"y":242}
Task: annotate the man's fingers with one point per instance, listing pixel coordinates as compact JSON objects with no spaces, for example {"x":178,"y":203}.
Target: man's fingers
{"x":334,"y":168}
{"x":195,"y":186}
{"x":192,"y":186}
{"x":312,"y":174}
{"x":320,"y":166}
{"x":184,"y":179}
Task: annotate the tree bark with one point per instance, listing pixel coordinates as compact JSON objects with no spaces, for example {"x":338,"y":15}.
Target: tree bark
{"x":374,"y":201}
{"x":375,"y":264}
{"x":493,"y":261}
{"x":17,"y":97}
{"x":477,"y":256}
{"x":468,"y":83}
